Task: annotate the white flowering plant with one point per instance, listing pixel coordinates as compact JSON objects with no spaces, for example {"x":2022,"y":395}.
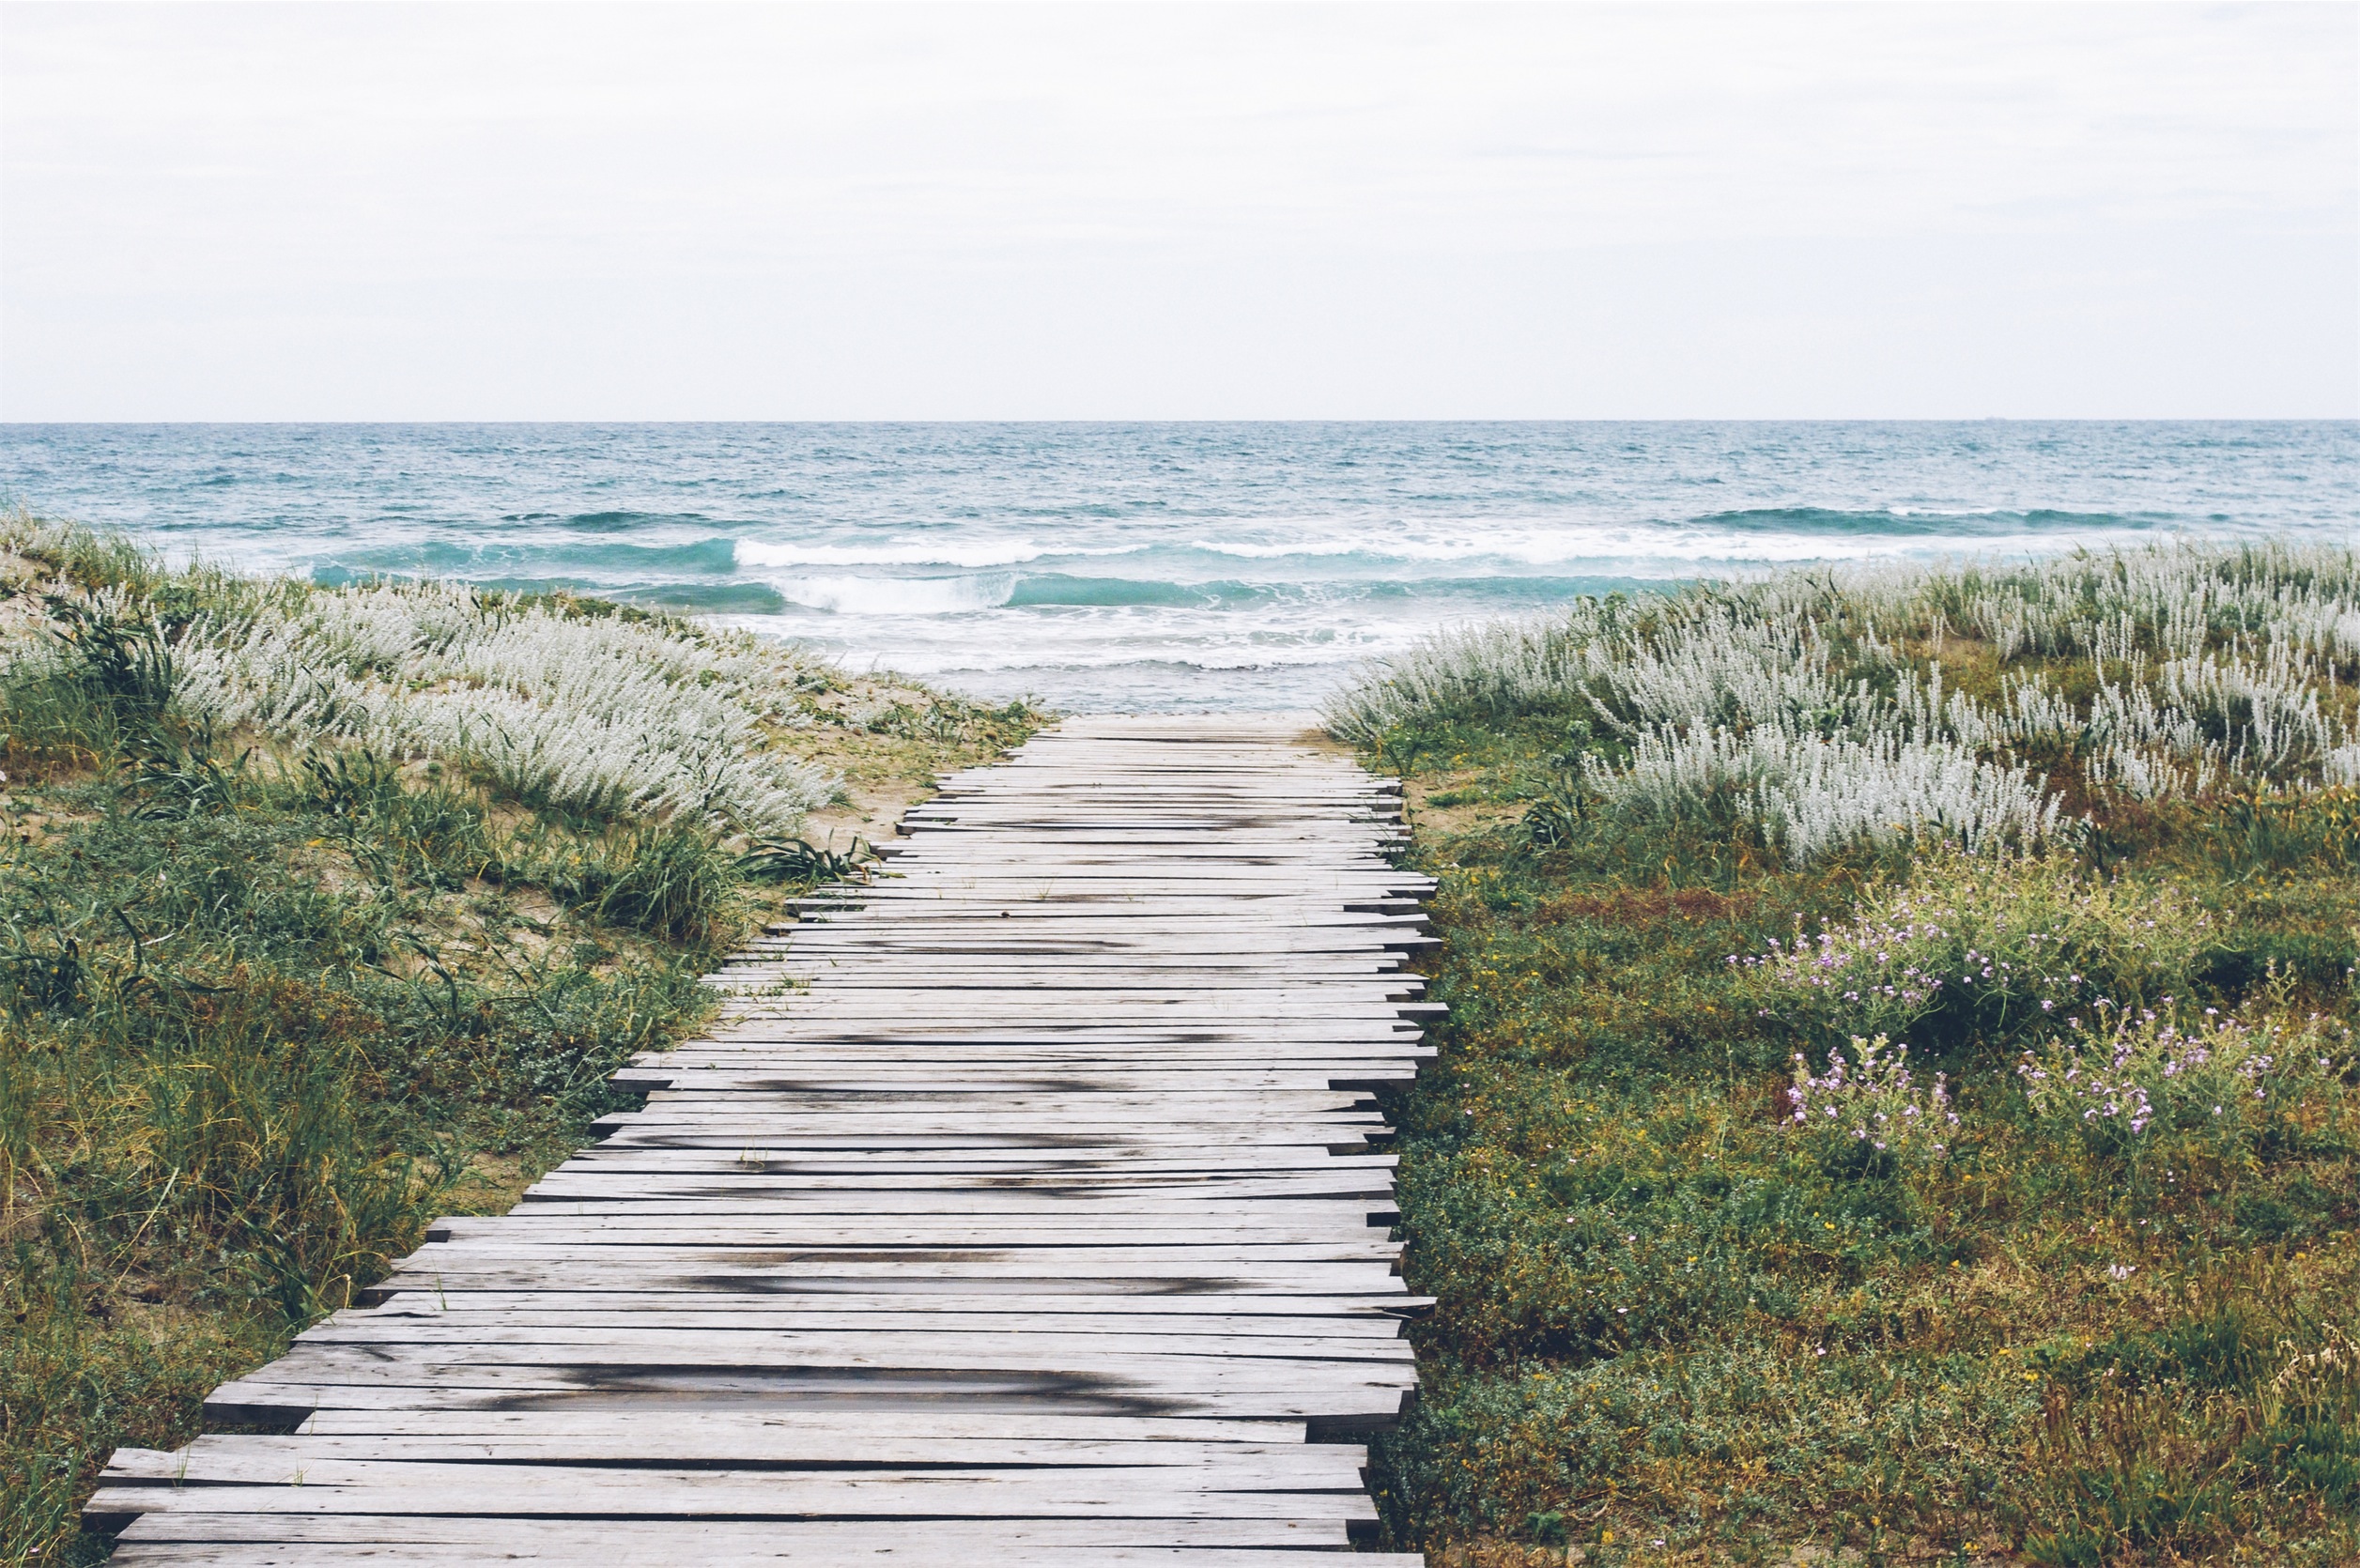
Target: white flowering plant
{"x":606,"y":715}
{"x":1811,"y":707}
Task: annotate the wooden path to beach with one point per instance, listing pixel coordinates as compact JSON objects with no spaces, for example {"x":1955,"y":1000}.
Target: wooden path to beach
{"x":1026,"y":1208}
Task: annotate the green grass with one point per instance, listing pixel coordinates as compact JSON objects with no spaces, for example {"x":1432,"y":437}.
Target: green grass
{"x":1668,"y":1315}
{"x":267,"y":1011}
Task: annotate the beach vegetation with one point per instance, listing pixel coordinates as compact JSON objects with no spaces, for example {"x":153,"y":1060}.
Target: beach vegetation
{"x":1900,"y":1098}
{"x":1986,"y":707}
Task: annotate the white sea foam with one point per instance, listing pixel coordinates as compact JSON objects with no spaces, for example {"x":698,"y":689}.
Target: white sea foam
{"x":1308,"y":548}
{"x":976,"y":556}
{"x":899,"y":552}
{"x":1601,"y":548}
{"x":1688,"y":550}
{"x":930,"y":663}
{"x":1648,"y":549}
{"x":858,"y":596}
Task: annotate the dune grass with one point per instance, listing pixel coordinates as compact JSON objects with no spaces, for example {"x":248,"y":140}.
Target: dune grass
{"x":1725,"y":1274}
{"x":280,"y":985}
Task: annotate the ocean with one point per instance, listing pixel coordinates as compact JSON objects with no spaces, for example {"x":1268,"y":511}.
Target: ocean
{"x":1105,"y":567}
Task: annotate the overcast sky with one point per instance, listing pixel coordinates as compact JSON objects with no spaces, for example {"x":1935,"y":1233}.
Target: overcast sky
{"x":1131,"y":212}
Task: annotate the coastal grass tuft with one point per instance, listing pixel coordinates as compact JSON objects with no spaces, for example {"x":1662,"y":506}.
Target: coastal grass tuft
{"x":1724,"y":1273}
{"x":273,"y":996}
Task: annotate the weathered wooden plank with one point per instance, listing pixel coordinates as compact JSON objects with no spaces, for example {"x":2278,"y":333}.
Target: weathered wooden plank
{"x":1122,"y":1360}
{"x":816,"y":1426}
{"x":724,"y":1149}
{"x":776,"y":1545}
{"x":787,"y":1227}
{"x":694,"y":1541}
{"x":1068,"y":1254}
{"x":1336,"y":1405}
{"x":475,"y":1340}
{"x":1037,"y":1221}
{"x":847,"y":1158}
{"x":331,"y":1486}
{"x":1318,"y":1314}
{"x":414,"y":1314}
{"x":619,"y":1270}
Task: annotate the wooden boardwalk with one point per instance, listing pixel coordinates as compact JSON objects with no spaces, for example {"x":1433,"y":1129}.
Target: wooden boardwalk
{"x":1043,"y":1228}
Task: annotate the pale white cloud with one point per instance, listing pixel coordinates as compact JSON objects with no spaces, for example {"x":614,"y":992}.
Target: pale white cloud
{"x":1117,"y":211}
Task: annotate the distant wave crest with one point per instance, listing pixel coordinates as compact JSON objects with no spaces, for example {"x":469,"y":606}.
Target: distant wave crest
{"x":979,"y":553}
{"x":1976,"y":525}
{"x":858,"y":596}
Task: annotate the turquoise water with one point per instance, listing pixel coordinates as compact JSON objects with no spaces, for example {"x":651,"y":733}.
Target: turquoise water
{"x":1157,"y":565}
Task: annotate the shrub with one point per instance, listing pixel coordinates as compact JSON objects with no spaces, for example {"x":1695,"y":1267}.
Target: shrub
{"x":2171,"y":1080}
{"x":1870,"y":1101}
{"x":1967,"y":950}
